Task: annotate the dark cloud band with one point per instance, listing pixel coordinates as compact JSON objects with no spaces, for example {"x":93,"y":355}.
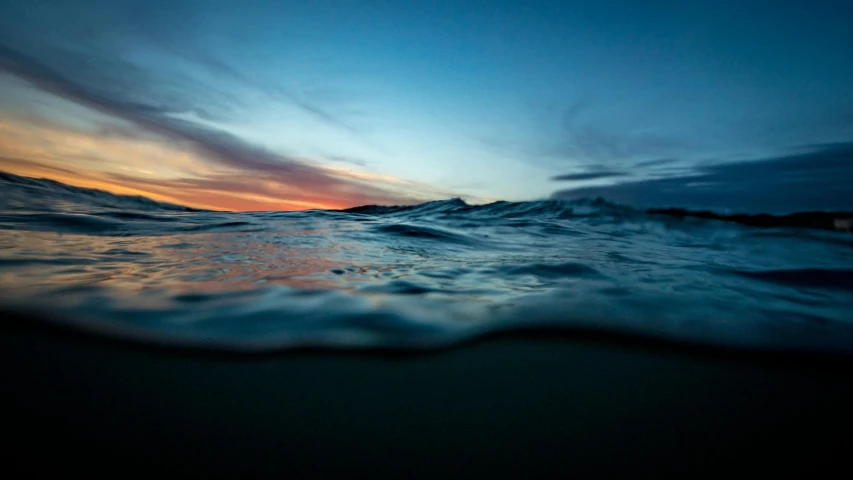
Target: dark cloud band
{"x":817,"y":180}
{"x":587,"y":176}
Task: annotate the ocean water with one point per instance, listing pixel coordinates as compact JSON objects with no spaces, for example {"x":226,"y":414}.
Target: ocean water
{"x":415,"y":277}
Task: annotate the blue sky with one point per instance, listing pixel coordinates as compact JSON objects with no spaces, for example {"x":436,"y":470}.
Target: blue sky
{"x":280,"y":105}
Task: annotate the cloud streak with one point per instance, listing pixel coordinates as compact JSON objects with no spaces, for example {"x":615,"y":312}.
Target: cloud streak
{"x":121,"y":91}
{"x":299,"y":99}
{"x":588,"y":176}
{"x":587,"y":139}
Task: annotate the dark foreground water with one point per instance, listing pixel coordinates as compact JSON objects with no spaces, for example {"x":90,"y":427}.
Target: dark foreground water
{"x":415,"y":277}
{"x":523,"y":404}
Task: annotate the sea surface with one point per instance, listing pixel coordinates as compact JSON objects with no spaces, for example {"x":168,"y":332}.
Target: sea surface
{"x":415,"y":277}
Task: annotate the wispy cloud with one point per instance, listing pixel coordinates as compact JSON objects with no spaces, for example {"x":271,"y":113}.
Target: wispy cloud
{"x":655,"y":163}
{"x":123,"y":91}
{"x":584,"y":134}
{"x":583,"y":137}
{"x":597,"y":175}
{"x":300,"y":99}
{"x":346,"y":159}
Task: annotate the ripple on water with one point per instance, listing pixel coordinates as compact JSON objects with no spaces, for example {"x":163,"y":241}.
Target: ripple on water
{"x":417,"y":276}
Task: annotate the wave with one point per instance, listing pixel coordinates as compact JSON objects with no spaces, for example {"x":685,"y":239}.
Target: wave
{"x":502,"y":209}
{"x":602,"y":208}
{"x":88,"y":210}
{"x":26,"y":193}
{"x":420,"y":276}
{"x":820,"y":278}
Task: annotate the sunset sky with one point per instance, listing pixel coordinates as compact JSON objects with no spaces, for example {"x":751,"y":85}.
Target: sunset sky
{"x":260,"y":105}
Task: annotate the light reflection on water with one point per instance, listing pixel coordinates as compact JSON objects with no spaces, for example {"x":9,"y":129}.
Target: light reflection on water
{"x":427,"y":276}
{"x":200,"y":262}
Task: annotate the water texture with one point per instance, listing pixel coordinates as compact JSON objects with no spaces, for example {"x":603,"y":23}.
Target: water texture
{"x":415,"y":277}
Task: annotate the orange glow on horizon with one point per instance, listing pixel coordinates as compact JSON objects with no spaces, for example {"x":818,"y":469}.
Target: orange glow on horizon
{"x":166,"y":173}
{"x":205,"y":200}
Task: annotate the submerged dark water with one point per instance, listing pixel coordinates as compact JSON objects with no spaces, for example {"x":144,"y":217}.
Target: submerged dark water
{"x":415,"y":277}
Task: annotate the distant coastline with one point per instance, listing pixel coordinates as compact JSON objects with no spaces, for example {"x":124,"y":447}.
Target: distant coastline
{"x":819,"y":220}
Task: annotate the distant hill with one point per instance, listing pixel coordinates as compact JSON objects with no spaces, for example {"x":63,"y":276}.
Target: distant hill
{"x":820,"y":220}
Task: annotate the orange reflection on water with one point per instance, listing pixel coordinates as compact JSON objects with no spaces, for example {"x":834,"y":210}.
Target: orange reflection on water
{"x":197,"y":263}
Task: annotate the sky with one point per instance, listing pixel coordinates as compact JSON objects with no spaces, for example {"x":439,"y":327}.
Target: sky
{"x":278,"y":105}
